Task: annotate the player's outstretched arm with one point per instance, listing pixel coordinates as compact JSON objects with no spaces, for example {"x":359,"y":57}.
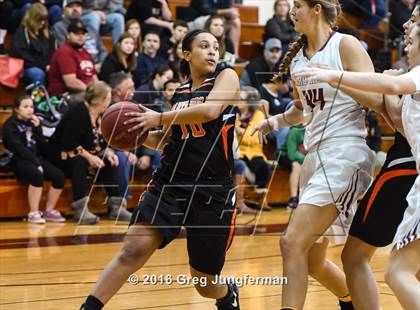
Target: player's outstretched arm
{"x":292,"y":116}
{"x":225,"y":92}
{"x":370,"y":82}
{"x":157,"y":139}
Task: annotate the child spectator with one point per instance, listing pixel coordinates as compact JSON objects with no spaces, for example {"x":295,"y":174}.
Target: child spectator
{"x":133,"y":27}
{"x":250,"y":149}
{"x":280,"y":25}
{"x":22,"y":136}
{"x":148,"y":60}
{"x":34,"y":43}
{"x":81,"y":147}
{"x":93,"y":44}
{"x":105,"y":15}
{"x":122,"y":58}
{"x":179,"y":29}
{"x":295,"y":153}
{"x":169,"y":88}
{"x":150,"y":94}
{"x":72,"y":67}
{"x":216,"y":26}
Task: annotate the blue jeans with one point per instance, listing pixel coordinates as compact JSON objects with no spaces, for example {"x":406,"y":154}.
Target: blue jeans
{"x":239,"y":167}
{"x":34,"y":74}
{"x":124,"y":168}
{"x":113,"y":21}
{"x":279,"y":136}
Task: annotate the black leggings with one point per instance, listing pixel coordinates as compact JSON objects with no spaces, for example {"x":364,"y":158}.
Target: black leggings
{"x":6,"y":9}
{"x":28,"y":171}
{"x":261,"y":170}
{"x":77,"y":168}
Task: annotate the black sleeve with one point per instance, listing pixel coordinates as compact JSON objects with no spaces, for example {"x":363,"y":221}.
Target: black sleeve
{"x":140,"y":10}
{"x":20,"y":46}
{"x":71,"y":131}
{"x":13,"y":142}
{"x":108,"y":67}
{"x":274,"y":30}
{"x":204,"y":7}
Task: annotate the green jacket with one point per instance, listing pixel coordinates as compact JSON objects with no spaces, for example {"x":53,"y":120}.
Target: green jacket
{"x":293,"y":140}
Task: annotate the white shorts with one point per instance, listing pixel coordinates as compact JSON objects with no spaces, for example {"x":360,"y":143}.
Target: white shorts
{"x":337,"y":174}
{"x":409,"y":229}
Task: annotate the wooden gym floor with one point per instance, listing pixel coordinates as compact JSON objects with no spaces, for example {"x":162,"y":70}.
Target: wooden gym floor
{"x":54,"y":266}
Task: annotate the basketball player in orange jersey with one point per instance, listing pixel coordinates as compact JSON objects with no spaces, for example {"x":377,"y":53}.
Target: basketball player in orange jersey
{"x":404,"y":267}
{"x":339,"y":165}
{"x":193,"y":187}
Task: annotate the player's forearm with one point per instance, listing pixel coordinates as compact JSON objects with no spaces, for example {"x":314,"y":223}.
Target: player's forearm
{"x":372,"y":101}
{"x":374,"y":82}
{"x":201,"y":113}
{"x":156,"y":140}
{"x":291,"y":117}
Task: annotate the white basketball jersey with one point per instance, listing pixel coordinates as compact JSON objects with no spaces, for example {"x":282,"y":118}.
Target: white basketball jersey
{"x":411,"y":116}
{"x":327,"y":119}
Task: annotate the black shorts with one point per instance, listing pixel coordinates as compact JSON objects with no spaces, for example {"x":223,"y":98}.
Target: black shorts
{"x":207,"y":211}
{"x":382,"y":208}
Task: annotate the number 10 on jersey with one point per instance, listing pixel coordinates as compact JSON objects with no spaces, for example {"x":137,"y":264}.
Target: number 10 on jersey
{"x":197,"y":130}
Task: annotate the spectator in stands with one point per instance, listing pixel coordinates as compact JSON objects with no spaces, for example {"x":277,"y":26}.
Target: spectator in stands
{"x":81,"y":147}
{"x":22,"y":136}
{"x":153,"y":15}
{"x":169,"y":88}
{"x":179,"y":29}
{"x":250,"y":149}
{"x":34,"y":43}
{"x":370,"y":11}
{"x":93,"y":44}
{"x":202,"y":10}
{"x":6,"y":9}
{"x":175,"y":62}
{"x":105,"y":15}
{"x":122,"y":58}
{"x":295,"y":153}
{"x":122,"y":86}
{"x":216,"y":26}
{"x":133,"y":27}
{"x":72,"y":67}
{"x":275,"y":101}
{"x":54,"y":8}
{"x":148,"y":60}
{"x":260,"y":69}
{"x":400,"y":12}
{"x":280,"y":26}
{"x":151,"y":94}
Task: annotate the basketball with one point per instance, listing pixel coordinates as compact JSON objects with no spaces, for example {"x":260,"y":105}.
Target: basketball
{"x":114,"y":131}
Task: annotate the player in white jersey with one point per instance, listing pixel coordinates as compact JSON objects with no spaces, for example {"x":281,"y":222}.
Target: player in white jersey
{"x":339,"y":164}
{"x":404,"y":266}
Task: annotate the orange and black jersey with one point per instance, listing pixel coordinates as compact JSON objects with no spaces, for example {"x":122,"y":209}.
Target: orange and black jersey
{"x":199,"y":151}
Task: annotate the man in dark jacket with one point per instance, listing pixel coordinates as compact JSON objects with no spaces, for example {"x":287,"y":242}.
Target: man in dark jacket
{"x":93,"y":44}
{"x":260,"y":69}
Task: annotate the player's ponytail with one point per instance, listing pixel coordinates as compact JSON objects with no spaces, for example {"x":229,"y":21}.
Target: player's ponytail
{"x":284,"y":67}
{"x":186,"y":46}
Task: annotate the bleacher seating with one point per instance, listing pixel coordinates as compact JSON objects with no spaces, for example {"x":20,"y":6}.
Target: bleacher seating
{"x":13,"y":192}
